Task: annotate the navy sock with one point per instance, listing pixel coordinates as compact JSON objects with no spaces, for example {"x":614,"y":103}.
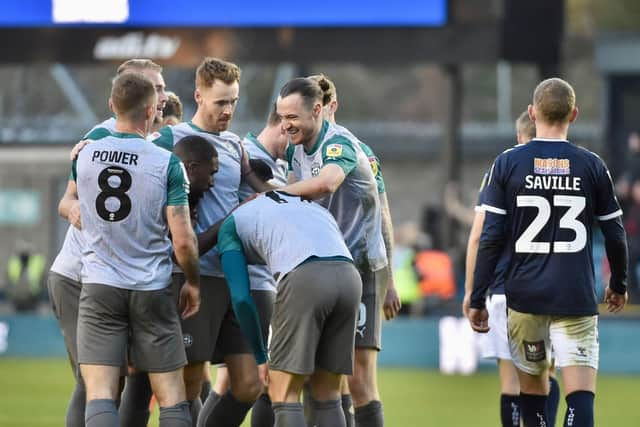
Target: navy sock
{"x":552,"y":401}
{"x":579,"y":409}
{"x":533,"y":410}
{"x":510,"y":410}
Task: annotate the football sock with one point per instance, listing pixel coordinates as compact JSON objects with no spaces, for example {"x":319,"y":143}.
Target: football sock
{"x":175,"y":416}
{"x":262,"y":412}
{"x":510,"y":410}
{"x":347,"y":408}
{"x":75,"y":411}
{"x":210,"y":403}
{"x":579,"y":409}
{"x":370,"y":415}
{"x":533,"y":410}
{"x":206,"y":389}
{"x":329,"y":413}
{"x":552,"y":401}
{"x":134,"y":407}
{"x":101,"y":413}
{"x":195,"y":406}
{"x":288,"y":415}
{"x":229,"y":412}
{"x":307,"y":401}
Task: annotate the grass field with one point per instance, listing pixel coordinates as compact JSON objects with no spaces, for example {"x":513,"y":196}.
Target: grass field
{"x":34,"y":393}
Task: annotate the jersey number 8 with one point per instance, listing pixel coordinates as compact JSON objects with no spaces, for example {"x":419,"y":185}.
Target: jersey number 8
{"x":576,"y":205}
{"x":119,"y":192}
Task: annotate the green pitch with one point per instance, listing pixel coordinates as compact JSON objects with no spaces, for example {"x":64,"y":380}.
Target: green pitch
{"x":34,"y":393}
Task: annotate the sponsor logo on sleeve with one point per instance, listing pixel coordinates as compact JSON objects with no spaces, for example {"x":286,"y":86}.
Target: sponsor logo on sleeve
{"x":334,"y":150}
{"x":374,"y":165}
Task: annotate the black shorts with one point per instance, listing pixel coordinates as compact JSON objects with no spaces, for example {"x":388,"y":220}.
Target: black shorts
{"x":213,"y":332}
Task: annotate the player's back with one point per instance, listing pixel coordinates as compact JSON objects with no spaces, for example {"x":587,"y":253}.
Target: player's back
{"x":123,"y":188}
{"x":552,"y":192}
{"x":282,"y":231}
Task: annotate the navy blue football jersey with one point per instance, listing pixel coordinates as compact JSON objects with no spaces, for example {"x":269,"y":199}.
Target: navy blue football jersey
{"x":544,"y":198}
{"x":497,"y":285}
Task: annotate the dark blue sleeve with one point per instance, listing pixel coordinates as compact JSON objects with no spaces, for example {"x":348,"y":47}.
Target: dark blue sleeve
{"x":493,"y":194}
{"x":606,"y":206}
{"x":492,"y":239}
{"x":615,"y":243}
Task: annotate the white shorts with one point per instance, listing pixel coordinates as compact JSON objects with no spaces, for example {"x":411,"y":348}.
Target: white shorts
{"x":531,"y":336}
{"x":494,"y":344}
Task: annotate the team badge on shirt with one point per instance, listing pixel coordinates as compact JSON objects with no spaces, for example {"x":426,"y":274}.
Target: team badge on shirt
{"x":334,"y":150}
{"x":374,"y":165}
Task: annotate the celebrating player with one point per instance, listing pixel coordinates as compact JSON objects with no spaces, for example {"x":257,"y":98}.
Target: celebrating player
{"x":215,"y":327}
{"x":316,"y":304}
{"x":540,"y":202}
{"x":328,"y":165}
{"x":64,"y":277}
{"x":133,"y":192}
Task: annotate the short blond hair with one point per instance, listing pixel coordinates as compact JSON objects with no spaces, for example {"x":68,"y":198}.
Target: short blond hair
{"x":212,"y":69}
{"x":554,"y":100}
{"x":329,"y":92}
{"x":130,"y":95}
{"x":138,"y":65}
{"x":173,"y":107}
{"x":525,"y":126}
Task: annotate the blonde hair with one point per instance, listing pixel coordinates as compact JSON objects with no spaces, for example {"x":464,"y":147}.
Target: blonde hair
{"x":554,"y":100}
{"x":525,"y":126}
{"x":212,"y":69}
{"x":137,"y":65}
{"x":130,"y":95}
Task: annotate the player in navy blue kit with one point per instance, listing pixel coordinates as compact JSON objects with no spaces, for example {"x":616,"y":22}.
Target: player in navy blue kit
{"x":540,"y":202}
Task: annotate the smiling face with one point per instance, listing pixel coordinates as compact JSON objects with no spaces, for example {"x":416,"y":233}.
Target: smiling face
{"x":301,"y":122}
{"x":158,"y":83}
{"x":216,"y":105}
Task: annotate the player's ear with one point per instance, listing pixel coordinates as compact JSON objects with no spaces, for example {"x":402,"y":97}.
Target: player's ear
{"x":574,"y":115}
{"x":333,"y":106}
{"x":111,"y":105}
{"x":197,"y":96}
{"x":532,"y":112}
{"x":317,"y":110}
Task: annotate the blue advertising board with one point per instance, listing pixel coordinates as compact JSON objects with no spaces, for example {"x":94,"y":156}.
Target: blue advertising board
{"x":239,"y":13}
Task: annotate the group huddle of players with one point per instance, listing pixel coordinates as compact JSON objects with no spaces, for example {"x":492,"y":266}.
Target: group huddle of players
{"x":188,"y":245}
{"x":530,"y":273}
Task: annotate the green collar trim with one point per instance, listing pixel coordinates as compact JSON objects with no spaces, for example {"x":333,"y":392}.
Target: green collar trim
{"x":198,"y":129}
{"x":124,"y":135}
{"x":323,"y":131}
{"x":251,"y":137}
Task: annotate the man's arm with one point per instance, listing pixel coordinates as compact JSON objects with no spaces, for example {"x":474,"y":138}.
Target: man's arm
{"x":186,"y":253}
{"x":69,"y":205}
{"x":209,"y":238}
{"x":392,"y":303}
{"x":615,"y":242}
{"x":234,"y":266}
{"x":470,"y":262}
{"x":329,"y":179}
